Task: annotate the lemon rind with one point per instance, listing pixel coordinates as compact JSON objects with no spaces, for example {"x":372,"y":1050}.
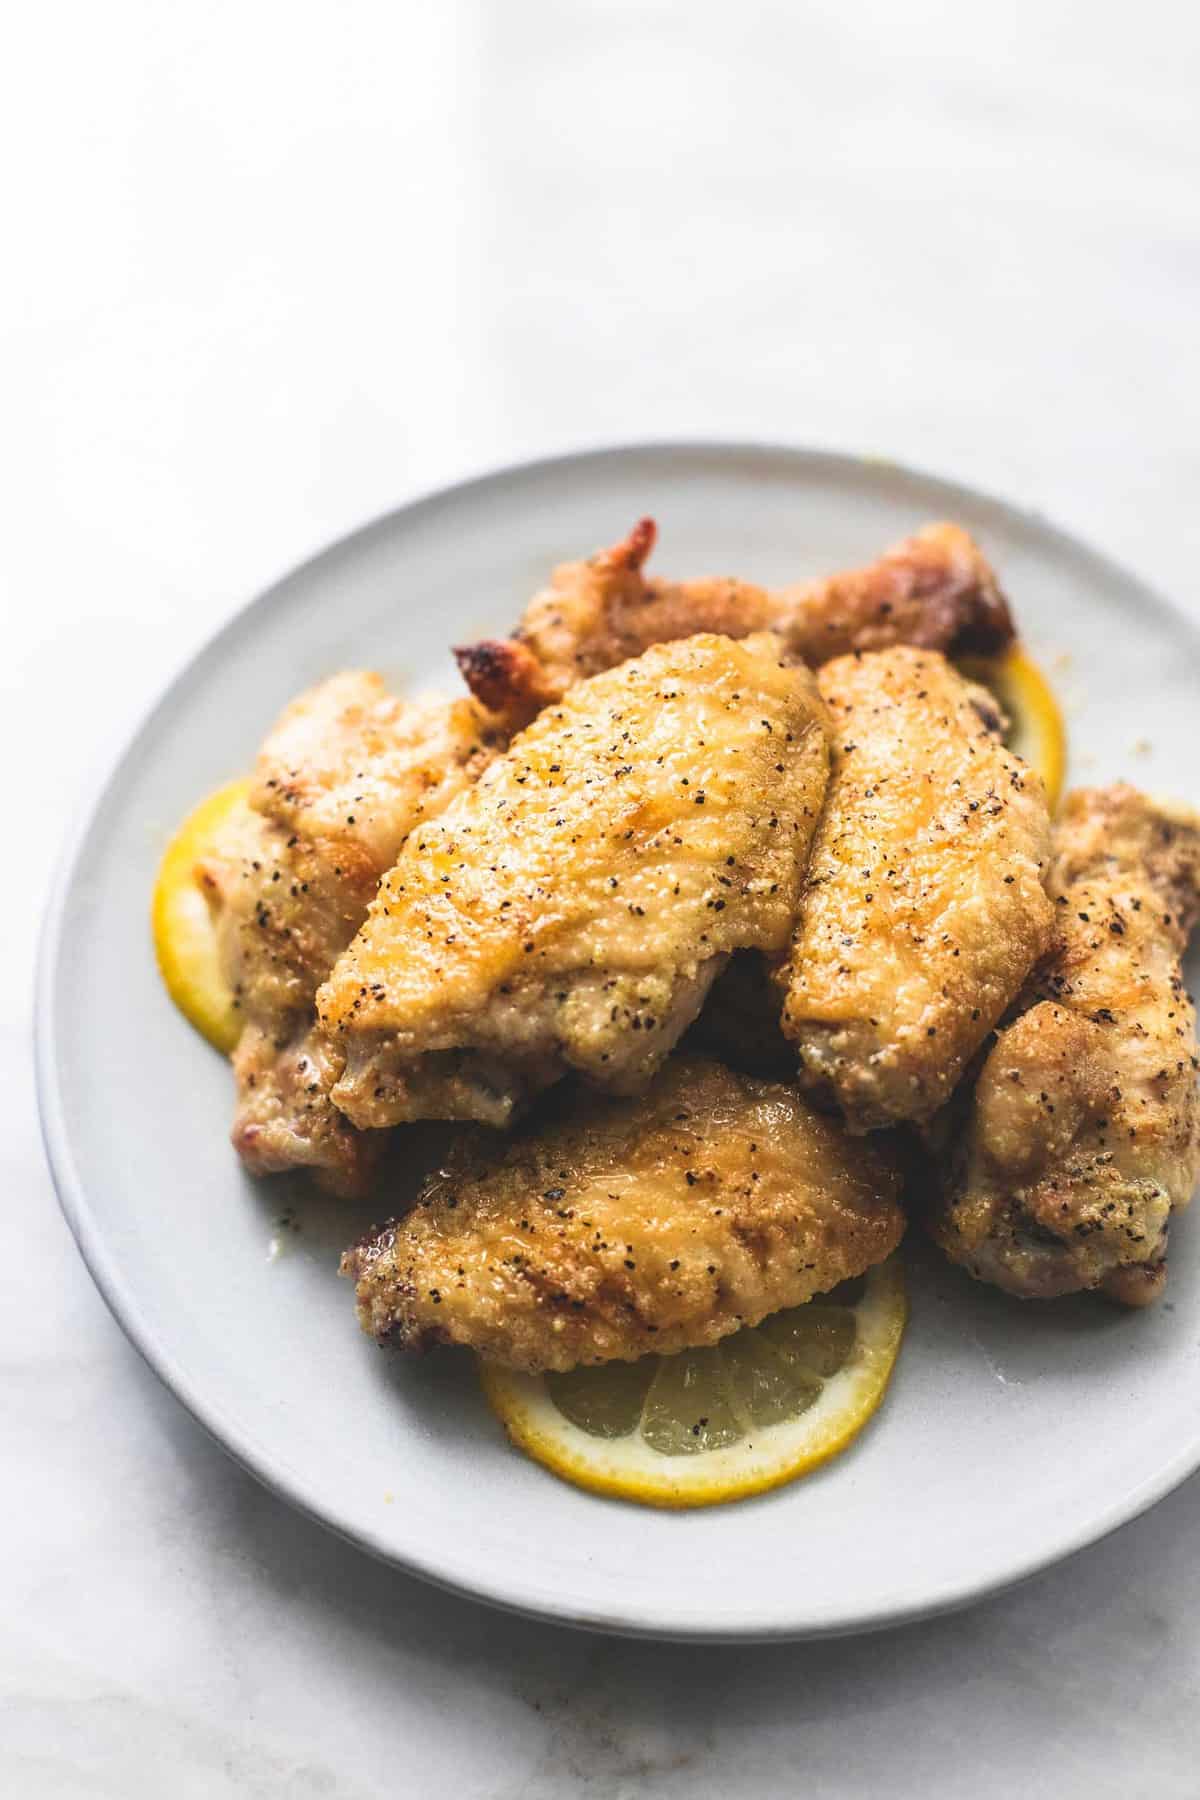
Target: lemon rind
{"x":184,"y":941}
{"x":755,"y":1465}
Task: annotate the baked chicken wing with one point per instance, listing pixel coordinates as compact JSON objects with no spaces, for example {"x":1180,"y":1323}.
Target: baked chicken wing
{"x":1083,"y":1133}
{"x":571,"y":910}
{"x":631,"y":1225}
{"x":340,"y":781}
{"x":349,"y":770}
{"x":924,"y":907}
{"x":934,"y":589}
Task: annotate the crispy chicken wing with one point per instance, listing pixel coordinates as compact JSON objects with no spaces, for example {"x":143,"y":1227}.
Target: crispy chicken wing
{"x":935,"y":589}
{"x":573,"y":907}
{"x":631,"y":1225}
{"x":349,"y":770}
{"x":340,"y":781}
{"x":1083,"y":1134}
{"x":924,"y":908}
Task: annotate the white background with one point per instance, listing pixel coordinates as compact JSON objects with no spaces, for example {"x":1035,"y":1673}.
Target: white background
{"x":271,"y":268}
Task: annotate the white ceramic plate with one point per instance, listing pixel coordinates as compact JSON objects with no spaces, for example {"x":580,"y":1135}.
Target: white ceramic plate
{"x":1013,"y":1434}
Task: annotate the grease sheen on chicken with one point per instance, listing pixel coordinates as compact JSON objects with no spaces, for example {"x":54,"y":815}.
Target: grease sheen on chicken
{"x":1083,"y":1133}
{"x":572,"y":909}
{"x":924,"y":908}
{"x":654,"y":1223}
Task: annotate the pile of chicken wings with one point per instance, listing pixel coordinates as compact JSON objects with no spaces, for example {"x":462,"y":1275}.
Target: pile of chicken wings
{"x":729,"y":932}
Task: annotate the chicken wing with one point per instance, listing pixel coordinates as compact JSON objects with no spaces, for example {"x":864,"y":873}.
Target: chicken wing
{"x":631,"y":1225}
{"x":1083,"y":1134}
{"x":935,"y":590}
{"x":349,"y":771}
{"x":924,"y":909}
{"x":340,"y":781}
{"x":572,"y":909}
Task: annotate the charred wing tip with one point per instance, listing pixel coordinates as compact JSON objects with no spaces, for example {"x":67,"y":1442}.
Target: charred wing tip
{"x":482,"y":661}
{"x":987,"y":624}
{"x":504,"y":676}
{"x":409,"y":1337}
{"x":982,"y":622}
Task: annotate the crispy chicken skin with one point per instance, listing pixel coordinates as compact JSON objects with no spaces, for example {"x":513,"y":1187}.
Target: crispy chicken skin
{"x":1083,"y":1134}
{"x":631,"y":1225}
{"x":349,"y":770}
{"x":923,"y":910}
{"x":934,"y":590}
{"x":572,"y":908}
{"x":342,"y":778}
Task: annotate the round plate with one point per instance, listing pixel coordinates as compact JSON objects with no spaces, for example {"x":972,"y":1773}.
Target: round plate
{"x":1013,"y":1434}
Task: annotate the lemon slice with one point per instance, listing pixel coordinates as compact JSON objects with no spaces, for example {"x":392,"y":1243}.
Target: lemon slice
{"x":1036,"y":729}
{"x":184,"y":940}
{"x":747,"y":1414}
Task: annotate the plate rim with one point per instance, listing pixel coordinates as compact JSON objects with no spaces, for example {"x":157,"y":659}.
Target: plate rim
{"x":70,"y":1187}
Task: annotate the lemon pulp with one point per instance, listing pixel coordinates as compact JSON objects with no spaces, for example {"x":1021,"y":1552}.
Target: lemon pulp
{"x":719,"y":1423}
{"x":184,"y":940}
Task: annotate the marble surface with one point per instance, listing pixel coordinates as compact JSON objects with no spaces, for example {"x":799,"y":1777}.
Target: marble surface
{"x":272,"y":269}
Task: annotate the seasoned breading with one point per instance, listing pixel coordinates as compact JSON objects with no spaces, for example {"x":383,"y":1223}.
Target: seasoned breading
{"x":572,"y":909}
{"x":341,"y":780}
{"x":924,"y":907}
{"x":934,"y":589}
{"x":1083,"y":1134}
{"x":349,"y":770}
{"x":631,"y":1225}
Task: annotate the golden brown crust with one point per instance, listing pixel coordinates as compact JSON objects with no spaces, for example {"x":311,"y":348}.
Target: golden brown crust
{"x":1084,"y":1128}
{"x":923,"y":910}
{"x":348,"y":771}
{"x":935,"y":589}
{"x":1107,"y":832}
{"x":631,"y":1226}
{"x":596,"y":614}
{"x":572,"y":908}
{"x":341,"y":779}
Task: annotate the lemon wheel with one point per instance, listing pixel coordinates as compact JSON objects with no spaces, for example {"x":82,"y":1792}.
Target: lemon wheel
{"x":706,"y":1426}
{"x":1036,"y":729}
{"x":184,"y":940}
